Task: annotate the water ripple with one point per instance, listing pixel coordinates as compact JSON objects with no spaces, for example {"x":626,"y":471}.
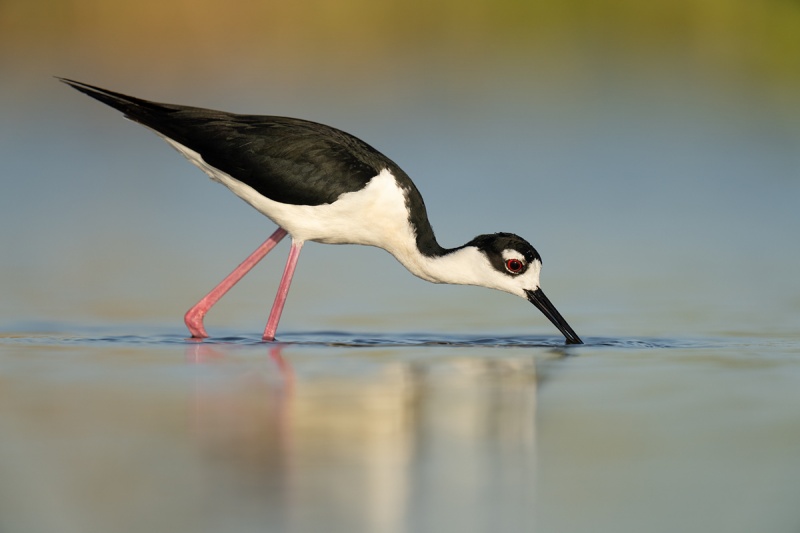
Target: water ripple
{"x":358,"y":340}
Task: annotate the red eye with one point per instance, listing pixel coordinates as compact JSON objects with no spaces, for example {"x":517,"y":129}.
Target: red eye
{"x":514,"y":266}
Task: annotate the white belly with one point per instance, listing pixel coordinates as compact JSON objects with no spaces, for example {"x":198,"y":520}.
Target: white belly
{"x":374,"y":216}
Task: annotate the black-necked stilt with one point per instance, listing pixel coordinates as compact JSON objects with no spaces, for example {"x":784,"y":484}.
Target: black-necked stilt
{"x":322,"y":184}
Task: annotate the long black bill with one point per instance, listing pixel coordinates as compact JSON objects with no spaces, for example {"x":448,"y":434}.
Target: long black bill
{"x":538,"y":299}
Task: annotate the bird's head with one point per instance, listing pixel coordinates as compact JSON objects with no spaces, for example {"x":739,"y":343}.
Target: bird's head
{"x":514,"y":267}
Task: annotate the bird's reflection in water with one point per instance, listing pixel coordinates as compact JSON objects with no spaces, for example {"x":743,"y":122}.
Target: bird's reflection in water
{"x":372,"y":440}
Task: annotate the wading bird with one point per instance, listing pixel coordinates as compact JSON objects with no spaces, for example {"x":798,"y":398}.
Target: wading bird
{"x":318,"y":183}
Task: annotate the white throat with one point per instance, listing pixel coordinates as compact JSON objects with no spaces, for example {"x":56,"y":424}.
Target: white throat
{"x":461,"y":267}
{"x":469,"y":266}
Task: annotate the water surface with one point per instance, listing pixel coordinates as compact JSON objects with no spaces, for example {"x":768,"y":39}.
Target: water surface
{"x":114,"y":429}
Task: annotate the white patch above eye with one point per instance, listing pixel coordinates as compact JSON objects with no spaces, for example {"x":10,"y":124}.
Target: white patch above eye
{"x":513,"y":254}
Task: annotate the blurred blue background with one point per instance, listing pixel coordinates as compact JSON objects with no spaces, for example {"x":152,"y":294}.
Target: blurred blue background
{"x":649,"y":150}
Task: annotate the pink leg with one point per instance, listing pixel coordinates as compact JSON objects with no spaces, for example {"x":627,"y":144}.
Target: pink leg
{"x":283,"y":290}
{"x":194,"y":316}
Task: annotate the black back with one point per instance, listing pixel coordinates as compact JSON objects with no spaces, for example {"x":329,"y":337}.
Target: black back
{"x":287,"y":160}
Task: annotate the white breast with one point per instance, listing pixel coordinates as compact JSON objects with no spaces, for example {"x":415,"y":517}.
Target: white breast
{"x":375,"y":215}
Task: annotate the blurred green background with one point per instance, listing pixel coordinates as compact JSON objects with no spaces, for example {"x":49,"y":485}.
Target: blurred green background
{"x":739,"y":42}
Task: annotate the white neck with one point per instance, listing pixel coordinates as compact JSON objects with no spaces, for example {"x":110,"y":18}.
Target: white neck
{"x":464,"y":266}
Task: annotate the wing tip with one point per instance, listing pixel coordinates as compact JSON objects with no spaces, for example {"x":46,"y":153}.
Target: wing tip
{"x":134,"y":108}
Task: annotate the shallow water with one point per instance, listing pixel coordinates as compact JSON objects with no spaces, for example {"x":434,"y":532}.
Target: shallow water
{"x":664,"y":206}
{"x":115,"y":430}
